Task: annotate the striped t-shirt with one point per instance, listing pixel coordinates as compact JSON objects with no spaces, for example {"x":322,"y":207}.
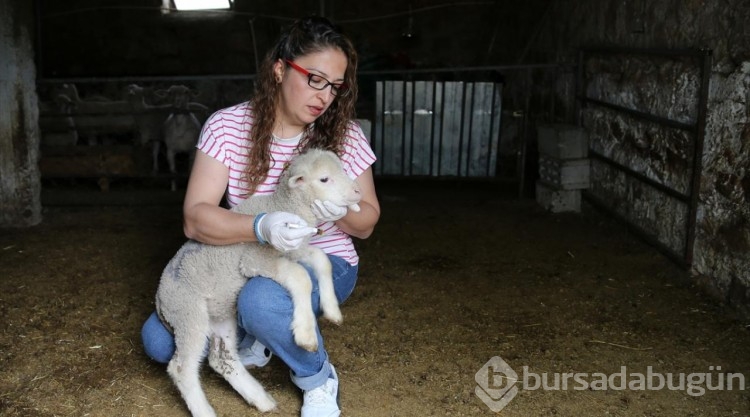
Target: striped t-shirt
{"x":225,"y":137}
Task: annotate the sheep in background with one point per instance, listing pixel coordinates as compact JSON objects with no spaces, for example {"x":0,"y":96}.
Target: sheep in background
{"x":149,"y":120}
{"x":56,"y":122}
{"x":198,"y":290}
{"x":97,"y":118}
{"x":181,"y":128}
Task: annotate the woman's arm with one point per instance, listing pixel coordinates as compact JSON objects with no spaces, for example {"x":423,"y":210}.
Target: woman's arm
{"x":361,"y":224}
{"x":204,"y":220}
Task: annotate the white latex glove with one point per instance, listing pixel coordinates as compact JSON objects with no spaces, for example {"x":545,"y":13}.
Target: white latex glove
{"x":284,"y":231}
{"x":326,"y":211}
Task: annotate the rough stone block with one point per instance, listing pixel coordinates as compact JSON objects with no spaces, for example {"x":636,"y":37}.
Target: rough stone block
{"x":567,"y":174}
{"x":557,"y":200}
{"x":563,"y":141}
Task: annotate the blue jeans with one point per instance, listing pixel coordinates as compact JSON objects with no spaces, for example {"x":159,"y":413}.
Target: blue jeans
{"x":264,"y":311}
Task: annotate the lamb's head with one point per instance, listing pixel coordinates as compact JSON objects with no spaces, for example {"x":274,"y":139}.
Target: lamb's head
{"x":320,"y":175}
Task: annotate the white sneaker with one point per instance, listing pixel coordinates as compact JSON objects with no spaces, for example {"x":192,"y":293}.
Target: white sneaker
{"x":323,"y":400}
{"x":256,"y":355}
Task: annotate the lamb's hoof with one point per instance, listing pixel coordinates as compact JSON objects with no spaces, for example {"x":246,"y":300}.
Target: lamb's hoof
{"x":334,"y":316}
{"x":266,"y":404}
{"x":307,"y":340}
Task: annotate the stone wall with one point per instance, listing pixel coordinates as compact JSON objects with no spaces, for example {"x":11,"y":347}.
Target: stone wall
{"x":721,"y":256}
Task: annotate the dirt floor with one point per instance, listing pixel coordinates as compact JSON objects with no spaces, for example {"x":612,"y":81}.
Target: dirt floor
{"x":451,"y":283}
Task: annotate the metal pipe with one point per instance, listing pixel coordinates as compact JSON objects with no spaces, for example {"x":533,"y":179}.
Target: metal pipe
{"x":433,"y":169}
{"x":700,"y":132}
{"x":685,"y":198}
{"x":463,"y":69}
{"x":158,"y":78}
{"x":651,"y":240}
{"x":641,"y":115}
{"x":84,"y":80}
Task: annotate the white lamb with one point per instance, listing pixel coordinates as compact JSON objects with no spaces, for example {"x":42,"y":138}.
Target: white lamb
{"x":198,"y":289}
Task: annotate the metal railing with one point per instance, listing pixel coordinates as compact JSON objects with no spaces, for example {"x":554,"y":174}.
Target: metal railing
{"x":693,"y":127}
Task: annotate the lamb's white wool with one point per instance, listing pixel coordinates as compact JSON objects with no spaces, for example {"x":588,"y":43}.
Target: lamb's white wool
{"x":199,"y":287}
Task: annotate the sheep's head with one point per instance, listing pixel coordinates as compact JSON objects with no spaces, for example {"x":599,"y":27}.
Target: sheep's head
{"x":178,"y":95}
{"x":322,"y":176}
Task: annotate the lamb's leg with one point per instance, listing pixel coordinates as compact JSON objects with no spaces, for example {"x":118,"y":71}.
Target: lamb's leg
{"x":295,"y":279}
{"x":320,"y":263}
{"x":171,"y":160}
{"x":184,"y":368}
{"x":155,"y":155}
{"x":223,"y":359}
{"x":172,"y":167}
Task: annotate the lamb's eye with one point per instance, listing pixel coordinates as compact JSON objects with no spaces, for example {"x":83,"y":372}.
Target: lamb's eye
{"x":324,"y":179}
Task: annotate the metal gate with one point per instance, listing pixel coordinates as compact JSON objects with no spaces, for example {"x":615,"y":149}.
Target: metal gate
{"x":437,"y":129}
{"x":671,"y":226}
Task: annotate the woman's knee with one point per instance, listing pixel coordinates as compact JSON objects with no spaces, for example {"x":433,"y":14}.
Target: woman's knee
{"x":344,"y":277}
{"x":262,"y":300}
{"x":158,"y":342}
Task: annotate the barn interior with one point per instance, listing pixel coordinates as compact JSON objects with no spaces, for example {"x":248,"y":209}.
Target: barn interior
{"x":573,"y":179}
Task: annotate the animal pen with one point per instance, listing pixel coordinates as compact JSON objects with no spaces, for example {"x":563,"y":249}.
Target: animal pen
{"x":421,"y":124}
{"x":457,"y":276}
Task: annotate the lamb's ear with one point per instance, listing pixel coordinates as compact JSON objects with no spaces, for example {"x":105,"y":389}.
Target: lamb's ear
{"x":296,"y":181}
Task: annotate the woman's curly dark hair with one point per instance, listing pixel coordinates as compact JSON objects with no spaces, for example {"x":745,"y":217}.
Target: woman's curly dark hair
{"x":304,"y":36}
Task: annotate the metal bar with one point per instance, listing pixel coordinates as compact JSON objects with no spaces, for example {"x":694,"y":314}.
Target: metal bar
{"x":700,"y":132}
{"x":461,"y":124}
{"x":53,"y":80}
{"x":470,"y":127}
{"x":463,"y":69}
{"x":641,"y":115}
{"x":601,"y":205}
{"x":580,"y":87}
{"x":411,"y":127}
{"x":84,"y":80}
{"x":432,"y":127}
{"x":659,"y":186}
{"x":442,"y":131}
{"x":490,"y":140}
{"x":403,"y":128}
{"x":381,"y":139}
{"x":523,"y":133}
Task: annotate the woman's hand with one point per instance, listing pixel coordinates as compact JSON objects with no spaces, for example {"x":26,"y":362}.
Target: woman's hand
{"x":361,"y":224}
{"x":284,"y":231}
{"x":326,"y":211}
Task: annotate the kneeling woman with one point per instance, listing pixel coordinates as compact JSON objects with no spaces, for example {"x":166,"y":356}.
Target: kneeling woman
{"x":305,"y":94}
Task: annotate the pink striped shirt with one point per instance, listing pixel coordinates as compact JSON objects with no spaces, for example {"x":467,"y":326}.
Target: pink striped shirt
{"x":225,"y":137}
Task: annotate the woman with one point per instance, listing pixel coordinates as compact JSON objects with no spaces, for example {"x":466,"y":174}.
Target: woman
{"x":304,"y":97}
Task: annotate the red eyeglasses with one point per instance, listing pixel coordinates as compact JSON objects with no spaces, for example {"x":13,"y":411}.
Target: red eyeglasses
{"x":319,"y":83}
